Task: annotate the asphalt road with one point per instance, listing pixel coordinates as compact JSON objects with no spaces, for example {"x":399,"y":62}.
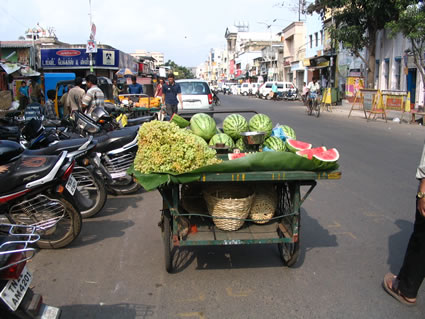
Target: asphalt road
{"x":353,"y":231}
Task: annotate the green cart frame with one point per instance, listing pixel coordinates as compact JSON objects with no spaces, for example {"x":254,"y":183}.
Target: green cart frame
{"x":283,"y":229}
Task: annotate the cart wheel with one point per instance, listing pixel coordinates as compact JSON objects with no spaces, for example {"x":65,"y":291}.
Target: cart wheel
{"x":168,"y":240}
{"x":289,"y":252}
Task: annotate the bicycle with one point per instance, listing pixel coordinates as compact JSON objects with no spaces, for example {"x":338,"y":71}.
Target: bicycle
{"x":313,"y":104}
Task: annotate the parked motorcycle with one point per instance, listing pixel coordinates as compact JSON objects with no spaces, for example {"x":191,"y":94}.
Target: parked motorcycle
{"x":39,"y":191}
{"x":17,"y":299}
{"x":40,"y":141}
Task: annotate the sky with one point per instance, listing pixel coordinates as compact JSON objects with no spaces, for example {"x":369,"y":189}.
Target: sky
{"x":183,"y":30}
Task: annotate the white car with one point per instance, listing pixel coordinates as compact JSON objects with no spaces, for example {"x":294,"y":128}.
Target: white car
{"x":196,"y":95}
{"x":266,"y":88}
{"x":247,"y":87}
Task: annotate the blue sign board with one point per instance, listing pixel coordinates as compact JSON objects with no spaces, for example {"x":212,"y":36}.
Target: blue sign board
{"x":78,"y":58}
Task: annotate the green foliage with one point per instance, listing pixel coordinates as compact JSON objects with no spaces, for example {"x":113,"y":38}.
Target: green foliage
{"x":411,"y":23}
{"x":183,"y":72}
{"x":166,"y":148}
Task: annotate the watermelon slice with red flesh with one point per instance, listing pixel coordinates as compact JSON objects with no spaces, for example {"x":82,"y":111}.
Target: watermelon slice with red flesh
{"x":331,"y":155}
{"x":312,"y":151}
{"x":295,"y":145}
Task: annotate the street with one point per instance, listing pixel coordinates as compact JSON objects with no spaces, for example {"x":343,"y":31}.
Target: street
{"x":353,"y":231}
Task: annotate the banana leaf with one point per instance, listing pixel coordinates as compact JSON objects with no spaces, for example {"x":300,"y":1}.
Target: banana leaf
{"x":257,"y":162}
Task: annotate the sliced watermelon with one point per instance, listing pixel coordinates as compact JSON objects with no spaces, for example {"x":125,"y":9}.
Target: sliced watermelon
{"x":312,"y":151}
{"x":328,"y":156}
{"x":295,"y":146}
{"x":233,"y":156}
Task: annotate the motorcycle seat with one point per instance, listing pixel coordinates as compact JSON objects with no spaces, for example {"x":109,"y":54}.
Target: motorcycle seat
{"x":115,"y":139}
{"x":58,"y":147}
{"x":140,"y":120}
{"x":24,"y":170}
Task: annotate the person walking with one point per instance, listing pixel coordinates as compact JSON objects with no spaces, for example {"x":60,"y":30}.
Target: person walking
{"x":94,"y":97}
{"x":115,"y":92}
{"x":274,"y":90}
{"x":24,"y":96}
{"x":158,"y":91}
{"x":49,"y":106}
{"x":36,"y":92}
{"x":171,"y":95}
{"x":405,"y":286}
{"x":75,"y":96}
{"x":135,"y":88}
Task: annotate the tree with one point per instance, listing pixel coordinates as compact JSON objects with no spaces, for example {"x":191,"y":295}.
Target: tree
{"x":183,"y":72}
{"x":411,"y":23}
{"x":356,"y":23}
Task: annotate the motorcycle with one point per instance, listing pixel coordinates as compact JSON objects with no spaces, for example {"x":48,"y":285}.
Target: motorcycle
{"x":17,"y":299}
{"x":291,"y":95}
{"x":216,"y":99}
{"x":39,"y":191}
{"x":39,"y":141}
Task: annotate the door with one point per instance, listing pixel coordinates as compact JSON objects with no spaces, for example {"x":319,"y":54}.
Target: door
{"x":411,"y":85}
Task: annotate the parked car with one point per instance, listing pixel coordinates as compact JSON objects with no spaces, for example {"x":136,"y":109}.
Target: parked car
{"x":282,"y":87}
{"x":246,"y":88}
{"x":196,"y":96}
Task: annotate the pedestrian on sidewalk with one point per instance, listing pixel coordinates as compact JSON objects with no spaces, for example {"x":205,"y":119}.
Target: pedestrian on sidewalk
{"x":405,"y":286}
{"x":171,"y":95}
{"x":75,"y":96}
{"x":135,"y":88}
{"x":158,"y":91}
{"x":24,"y":96}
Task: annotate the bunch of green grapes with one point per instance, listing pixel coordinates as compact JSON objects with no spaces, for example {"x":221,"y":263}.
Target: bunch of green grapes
{"x":166,"y":148}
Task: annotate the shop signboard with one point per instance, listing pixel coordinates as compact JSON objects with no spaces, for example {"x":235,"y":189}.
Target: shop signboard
{"x":68,"y":58}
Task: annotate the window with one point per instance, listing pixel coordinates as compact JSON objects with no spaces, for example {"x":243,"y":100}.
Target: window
{"x":387,"y":74}
{"x":311,"y":40}
{"x":377,"y":74}
{"x":397,"y":73}
{"x":321,"y":37}
{"x":316,"y":39}
{"x":194,"y":88}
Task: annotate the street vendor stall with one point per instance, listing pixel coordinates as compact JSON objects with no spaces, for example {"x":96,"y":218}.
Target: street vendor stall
{"x":232,"y":198}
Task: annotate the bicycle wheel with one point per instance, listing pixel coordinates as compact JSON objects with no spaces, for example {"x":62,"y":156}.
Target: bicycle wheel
{"x":309,"y":107}
{"x":317,"y":107}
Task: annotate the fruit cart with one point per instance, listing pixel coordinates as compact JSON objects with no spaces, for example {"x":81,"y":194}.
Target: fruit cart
{"x":198,"y":228}
{"x":254,"y":199}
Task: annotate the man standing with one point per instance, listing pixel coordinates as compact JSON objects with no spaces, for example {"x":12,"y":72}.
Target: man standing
{"x":135,"y":88}
{"x":75,"y":96}
{"x":94,"y":97}
{"x":405,"y":286}
{"x":170,"y":93}
{"x":36,"y":92}
{"x":24,"y":98}
{"x":115,"y":92}
{"x":274,"y":90}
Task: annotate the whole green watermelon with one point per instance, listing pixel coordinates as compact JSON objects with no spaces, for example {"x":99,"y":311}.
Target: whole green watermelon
{"x":274,"y":143}
{"x":240,"y":145}
{"x":203,"y":125}
{"x":234,"y":124}
{"x":261,"y":123}
{"x":288,"y":131}
{"x":222,"y":138}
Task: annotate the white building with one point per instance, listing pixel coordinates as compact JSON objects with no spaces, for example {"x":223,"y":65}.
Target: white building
{"x":158,"y":56}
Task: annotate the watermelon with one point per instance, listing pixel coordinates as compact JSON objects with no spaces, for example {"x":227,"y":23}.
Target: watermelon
{"x":203,"y":125}
{"x":233,"y":156}
{"x":234,"y":124}
{"x":181,"y":122}
{"x":222,"y":139}
{"x":295,"y":146}
{"x":288,"y":132}
{"x":329,"y":156}
{"x":310,"y":152}
{"x":261,"y":123}
{"x":275,"y":144}
{"x":240,"y":144}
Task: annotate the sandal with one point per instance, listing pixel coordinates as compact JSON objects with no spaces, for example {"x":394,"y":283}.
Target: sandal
{"x":395,"y":292}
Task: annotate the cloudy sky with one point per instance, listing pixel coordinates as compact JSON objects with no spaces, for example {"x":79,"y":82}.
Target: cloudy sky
{"x":183,"y":30}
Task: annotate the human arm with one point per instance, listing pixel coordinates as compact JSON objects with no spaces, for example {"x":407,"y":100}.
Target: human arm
{"x":179,"y":96}
{"x":85,"y":101}
{"x":421,"y":201}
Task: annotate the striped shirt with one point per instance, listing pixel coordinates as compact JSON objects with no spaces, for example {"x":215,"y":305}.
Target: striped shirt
{"x":93,"y":98}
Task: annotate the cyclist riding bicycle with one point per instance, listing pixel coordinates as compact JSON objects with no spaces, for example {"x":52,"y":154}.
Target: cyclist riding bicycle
{"x":313,"y":90}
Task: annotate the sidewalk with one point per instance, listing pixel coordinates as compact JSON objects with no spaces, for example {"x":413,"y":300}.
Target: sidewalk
{"x":392,"y":116}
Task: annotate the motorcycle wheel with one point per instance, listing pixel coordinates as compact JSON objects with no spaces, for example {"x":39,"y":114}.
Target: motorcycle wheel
{"x":60,"y":234}
{"x":92,"y":187}
{"x":127,"y":187}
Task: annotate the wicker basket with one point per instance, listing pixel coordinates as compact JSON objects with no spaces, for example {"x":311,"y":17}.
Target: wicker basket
{"x":227,"y":202}
{"x":264,"y":204}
